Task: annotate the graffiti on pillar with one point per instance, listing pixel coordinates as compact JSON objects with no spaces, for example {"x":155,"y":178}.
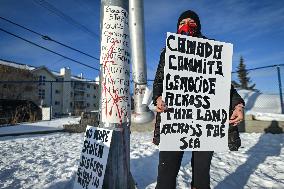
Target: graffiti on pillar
{"x":139,"y":77}
{"x":115,"y":65}
{"x":140,"y":89}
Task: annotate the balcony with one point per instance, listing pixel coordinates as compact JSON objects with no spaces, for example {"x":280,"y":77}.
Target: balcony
{"x":79,"y":88}
{"x":79,"y":98}
{"x":79,"y":105}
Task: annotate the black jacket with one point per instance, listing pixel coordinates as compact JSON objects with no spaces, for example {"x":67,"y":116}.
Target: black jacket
{"x":235,"y":99}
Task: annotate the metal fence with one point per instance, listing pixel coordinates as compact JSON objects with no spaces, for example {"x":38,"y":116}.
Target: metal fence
{"x":268,"y":97}
{"x":269,"y":85}
{"x":59,"y":97}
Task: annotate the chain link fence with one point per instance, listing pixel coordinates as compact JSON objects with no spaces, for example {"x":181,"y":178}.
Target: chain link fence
{"x":269,"y":85}
{"x":268,"y":94}
{"x":45,"y":95}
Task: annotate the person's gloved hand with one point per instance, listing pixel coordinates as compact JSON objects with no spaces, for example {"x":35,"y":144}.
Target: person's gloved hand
{"x":161,"y":105}
{"x":237,"y":115}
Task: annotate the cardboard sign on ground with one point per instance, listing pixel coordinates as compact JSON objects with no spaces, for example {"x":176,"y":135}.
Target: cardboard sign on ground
{"x":92,"y":166}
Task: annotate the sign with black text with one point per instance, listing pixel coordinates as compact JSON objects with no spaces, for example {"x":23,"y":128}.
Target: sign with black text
{"x":92,"y":166}
{"x":197,"y":83}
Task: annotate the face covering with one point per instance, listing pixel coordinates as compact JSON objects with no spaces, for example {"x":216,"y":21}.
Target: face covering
{"x":188,"y":29}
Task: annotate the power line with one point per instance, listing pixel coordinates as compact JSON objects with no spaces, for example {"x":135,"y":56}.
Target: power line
{"x":65,"y":17}
{"x":258,"y":68}
{"x":48,"y":49}
{"x":45,"y":37}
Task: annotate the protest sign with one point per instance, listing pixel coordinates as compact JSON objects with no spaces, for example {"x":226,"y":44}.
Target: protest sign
{"x":115,"y":68}
{"x":197,"y":82}
{"x":92,"y":166}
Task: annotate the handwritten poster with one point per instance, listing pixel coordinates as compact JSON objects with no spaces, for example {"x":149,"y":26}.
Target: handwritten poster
{"x":197,"y":82}
{"x":92,"y":166}
{"x":115,"y":60}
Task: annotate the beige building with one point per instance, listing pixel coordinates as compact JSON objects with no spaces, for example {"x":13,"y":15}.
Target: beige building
{"x":64,"y":93}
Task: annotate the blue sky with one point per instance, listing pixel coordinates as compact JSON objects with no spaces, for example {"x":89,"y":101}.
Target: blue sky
{"x":254,"y":27}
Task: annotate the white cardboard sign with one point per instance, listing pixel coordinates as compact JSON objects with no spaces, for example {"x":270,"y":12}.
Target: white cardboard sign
{"x":197,"y":82}
{"x":92,"y":166}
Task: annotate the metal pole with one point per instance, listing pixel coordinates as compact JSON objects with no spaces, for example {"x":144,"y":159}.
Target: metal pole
{"x":280,"y":90}
{"x":141,"y":113}
{"x":115,"y":94}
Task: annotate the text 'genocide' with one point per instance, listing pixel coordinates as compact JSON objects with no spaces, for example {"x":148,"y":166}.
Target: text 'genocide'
{"x":191,"y":84}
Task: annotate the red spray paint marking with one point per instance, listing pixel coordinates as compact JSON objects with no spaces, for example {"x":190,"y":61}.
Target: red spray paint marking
{"x":115,"y":98}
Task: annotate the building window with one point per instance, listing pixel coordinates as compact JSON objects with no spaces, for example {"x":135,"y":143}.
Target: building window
{"x":41,"y":94}
{"x":41,"y":80}
{"x":56,"y":102}
{"x":59,"y":79}
{"x":57,"y":91}
{"x":95,"y":87}
{"x":5,"y":86}
{"x":94,"y":96}
{"x":88,"y":105}
{"x":88,"y":86}
{"x":88,"y":95}
{"x":94,"y":105}
{"x":71,"y":104}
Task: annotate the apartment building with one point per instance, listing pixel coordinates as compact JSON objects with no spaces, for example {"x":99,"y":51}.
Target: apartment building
{"x":64,"y":93}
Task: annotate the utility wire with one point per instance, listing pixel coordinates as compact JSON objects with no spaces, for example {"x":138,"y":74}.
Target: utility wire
{"x":1,"y":29}
{"x":45,"y":37}
{"x":258,"y":68}
{"x":65,"y":17}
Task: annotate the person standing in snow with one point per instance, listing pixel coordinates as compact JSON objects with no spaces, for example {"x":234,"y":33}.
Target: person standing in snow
{"x":170,"y":161}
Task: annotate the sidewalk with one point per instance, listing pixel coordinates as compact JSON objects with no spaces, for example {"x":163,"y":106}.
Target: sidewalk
{"x":41,"y":127}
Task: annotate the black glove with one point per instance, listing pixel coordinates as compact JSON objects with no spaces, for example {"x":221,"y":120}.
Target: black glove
{"x":234,"y":140}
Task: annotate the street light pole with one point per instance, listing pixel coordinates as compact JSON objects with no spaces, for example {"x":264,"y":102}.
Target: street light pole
{"x":141,"y":113}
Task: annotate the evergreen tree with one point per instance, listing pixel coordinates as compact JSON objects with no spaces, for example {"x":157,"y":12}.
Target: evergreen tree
{"x":236,"y":84}
{"x":243,"y":77}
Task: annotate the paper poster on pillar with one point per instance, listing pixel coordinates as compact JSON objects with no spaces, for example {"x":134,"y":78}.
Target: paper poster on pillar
{"x":93,"y":161}
{"x":115,"y":65}
{"x":197,"y":83}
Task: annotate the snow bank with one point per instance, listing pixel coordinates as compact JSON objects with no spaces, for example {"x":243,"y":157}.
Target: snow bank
{"x":258,"y":102}
{"x":265,"y":107}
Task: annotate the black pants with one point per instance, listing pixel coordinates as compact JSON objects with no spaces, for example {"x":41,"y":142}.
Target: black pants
{"x":169,"y":164}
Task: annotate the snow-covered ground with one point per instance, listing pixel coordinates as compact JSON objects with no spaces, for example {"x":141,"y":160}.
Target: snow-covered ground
{"x":52,"y":125}
{"x":50,"y":161}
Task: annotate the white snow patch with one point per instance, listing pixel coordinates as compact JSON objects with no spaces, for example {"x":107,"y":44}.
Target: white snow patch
{"x":260,"y":102}
{"x":267,"y":116}
{"x":50,"y":161}
{"x":55,"y":124}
